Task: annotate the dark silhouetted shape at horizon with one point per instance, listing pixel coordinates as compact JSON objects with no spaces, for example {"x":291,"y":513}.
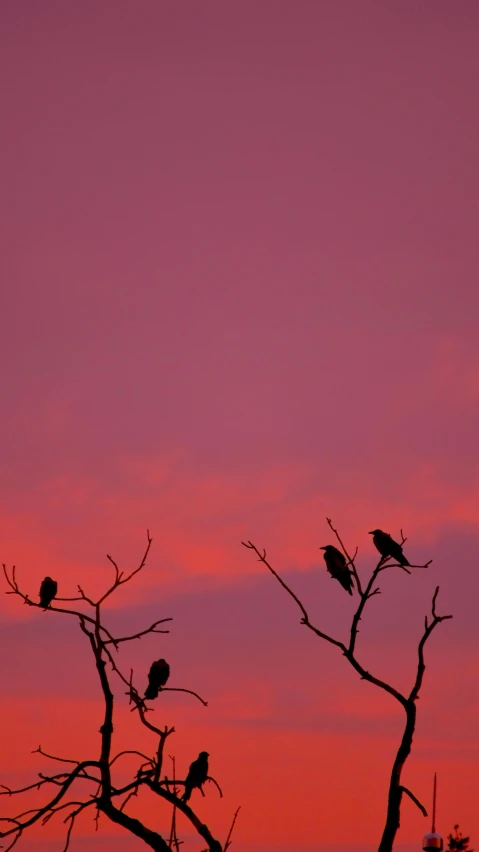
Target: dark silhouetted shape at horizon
{"x":387,"y":546}
{"x":458,"y":843}
{"x":197,"y":774}
{"x":336,"y":565}
{"x":48,"y":590}
{"x":157,"y":677}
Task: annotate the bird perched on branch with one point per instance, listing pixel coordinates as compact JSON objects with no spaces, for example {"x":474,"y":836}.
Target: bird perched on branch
{"x":48,"y":590}
{"x":337,"y":567}
{"x":197,"y":774}
{"x":157,"y":677}
{"x":387,"y":546}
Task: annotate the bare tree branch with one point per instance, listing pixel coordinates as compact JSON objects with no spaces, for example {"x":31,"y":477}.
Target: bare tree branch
{"x":203,"y":831}
{"x":348,"y":557}
{"x":305,"y":619}
{"x":220,"y":791}
{"x":39,"y":813}
{"x":416,"y":801}
{"x":230,"y":833}
{"x":188,"y":691}
{"x":131,"y":751}
{"x":365,"y":675}
{"x":370,"y":590}
{"x":39,"y":750}
{"x":141,"y":633}
{"x":15,"y":590}
{"x":436,"y":619}
{"x":107,"y":792}
{"x":120,"y":580}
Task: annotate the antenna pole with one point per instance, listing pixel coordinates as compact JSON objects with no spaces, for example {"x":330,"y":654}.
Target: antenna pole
{"x":434,"y":804}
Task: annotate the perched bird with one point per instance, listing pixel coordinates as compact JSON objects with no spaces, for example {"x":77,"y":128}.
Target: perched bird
{"x":48,"y":590}
{"x":197,"y":774}
{"x":387,"y":546}
{"x":157,"y":677}
{"x":336,"y":565}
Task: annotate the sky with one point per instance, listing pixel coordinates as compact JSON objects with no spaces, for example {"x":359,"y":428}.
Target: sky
{"x":239,"y":295}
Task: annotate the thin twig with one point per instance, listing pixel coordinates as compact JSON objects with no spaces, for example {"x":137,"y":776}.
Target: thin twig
{"x":220,"y":791}
{"x":305,"y":619}
{"x":348,"y":557}
{"x":230,"y":833}
{"x":436,"y":619}
{"x":414,"y":799}
{"x":141,"y":633}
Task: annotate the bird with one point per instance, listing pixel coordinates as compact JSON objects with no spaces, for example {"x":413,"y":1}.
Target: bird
{"x":387,"y":546}
{"x":48,"y":590}
{"x":336,"y":565}
{"x":157,"y":677}
{"x":197,"y":774}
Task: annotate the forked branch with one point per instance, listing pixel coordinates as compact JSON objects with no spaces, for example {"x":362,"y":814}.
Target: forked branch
{"x":428,"y":628}
{"x":305,"y":619}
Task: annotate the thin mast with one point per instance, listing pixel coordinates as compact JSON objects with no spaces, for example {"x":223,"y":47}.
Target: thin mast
{"x":434,"y":804}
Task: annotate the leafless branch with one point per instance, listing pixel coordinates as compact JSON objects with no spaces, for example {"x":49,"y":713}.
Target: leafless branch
{"x":368,"y":593}
{"x":15,"y":590}
{"x":131,"y":751}
{"x":365,"y":675}
{"x":220,"y":791}
{"x":230,"y":833}
{"x":173,"y":841}
{"x":39,"y":750}
{"x":130,"y":795}
{"x":436,"y":619}
{"x":416,"y":801}
{"x":348,"y":557}
{"x":14,"y":841}
{"x":39,"y":813}
{"x":148,"y":773}
{"x":141,"y":633}
{"x":35,"y":786}
{"x":120,"y":580}
{"x":181,"y":689}
{"x":201,"y":828}
{"x":305,"y":619}
{"x":408,"y":703}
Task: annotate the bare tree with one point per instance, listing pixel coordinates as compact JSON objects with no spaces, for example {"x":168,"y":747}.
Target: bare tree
{"x":348,"y":649}
{"x":97,"y":774}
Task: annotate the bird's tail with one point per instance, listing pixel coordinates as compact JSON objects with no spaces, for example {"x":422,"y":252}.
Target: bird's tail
{"x":402,"y":560}
{"x":151,"y":692}
{"x":186,"y":795}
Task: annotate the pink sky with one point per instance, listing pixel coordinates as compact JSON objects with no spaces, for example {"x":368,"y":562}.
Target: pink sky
{"x":239,"y":293}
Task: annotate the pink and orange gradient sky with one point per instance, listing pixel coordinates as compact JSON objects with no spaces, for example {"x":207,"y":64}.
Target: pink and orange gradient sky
{"x":239,"y":293}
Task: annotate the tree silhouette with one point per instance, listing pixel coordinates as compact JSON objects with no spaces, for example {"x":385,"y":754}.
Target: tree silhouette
{"x":97,"y":773}
{"x":348,"y":649}
{"x":458,"y":843}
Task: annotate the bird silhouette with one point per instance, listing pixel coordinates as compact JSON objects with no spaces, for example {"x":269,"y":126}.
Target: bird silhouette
{"x":157,"y":677}
{"x":197,"y":774}
{"x":387,"y":546}
{"x":48,"y":590}
{"x":336,"y":565}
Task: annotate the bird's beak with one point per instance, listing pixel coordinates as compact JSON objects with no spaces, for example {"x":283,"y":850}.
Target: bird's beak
{"x":322,"y":548}
{"x":371,"y":532}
